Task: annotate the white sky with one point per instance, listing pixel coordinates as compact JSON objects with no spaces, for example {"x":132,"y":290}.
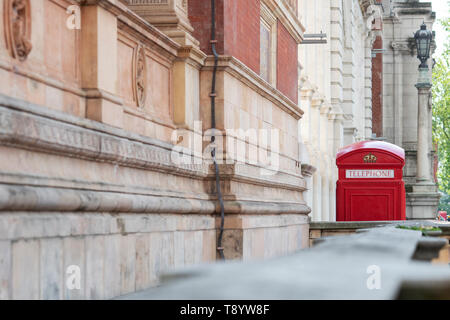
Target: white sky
{"x":442,"y":10}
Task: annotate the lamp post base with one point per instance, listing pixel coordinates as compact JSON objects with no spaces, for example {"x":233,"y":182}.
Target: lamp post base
{"x":423,"y":201}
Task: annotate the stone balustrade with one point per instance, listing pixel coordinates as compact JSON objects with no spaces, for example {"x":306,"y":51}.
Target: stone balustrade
{"x":377,"y":263}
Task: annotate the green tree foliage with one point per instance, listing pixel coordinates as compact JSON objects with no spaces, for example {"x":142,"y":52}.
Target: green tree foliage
{"x":441,"y":111}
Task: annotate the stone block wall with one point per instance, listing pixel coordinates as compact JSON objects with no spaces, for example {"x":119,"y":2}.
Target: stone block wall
{"x":115,"y":254}
{"x":91,"y":118}
{"x":51,"y":74}
{"x":265,"y":237}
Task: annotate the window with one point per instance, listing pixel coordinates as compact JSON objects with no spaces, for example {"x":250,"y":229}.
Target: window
{"x":268,"y":45}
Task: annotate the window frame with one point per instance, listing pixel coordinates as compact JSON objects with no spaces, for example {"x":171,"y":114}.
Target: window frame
{"x":268,"y":19}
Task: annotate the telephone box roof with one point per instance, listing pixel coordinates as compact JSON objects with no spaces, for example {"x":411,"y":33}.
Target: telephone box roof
{"x":372,"y":145}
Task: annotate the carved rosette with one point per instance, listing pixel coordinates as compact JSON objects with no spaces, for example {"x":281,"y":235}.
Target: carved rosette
{"x":139,"y":76}
{"x":17,"y":20}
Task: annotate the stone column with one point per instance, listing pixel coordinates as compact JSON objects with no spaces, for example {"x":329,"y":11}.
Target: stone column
{"x":335,"y":119}
{"x":305,"y":133}
{"x":316,"y":133}
{"x":423,"y":145}
{"x":422,"y":202}
{"x":308,"y":171}
{"x":325,"y":160}
{"x":368,"y":85}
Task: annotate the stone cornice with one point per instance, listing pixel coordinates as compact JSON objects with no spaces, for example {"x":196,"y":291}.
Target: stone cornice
{"x":243,"y":73}
{"x":289,"y":20}
{"x":58,"y":133}
{"x":414,"y":8}
{"x":252,"y":174}
{"x":135,"y":23}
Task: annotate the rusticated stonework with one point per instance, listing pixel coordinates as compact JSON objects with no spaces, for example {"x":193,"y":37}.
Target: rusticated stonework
{"x":140,"y":76}
{"x":17,"y":19}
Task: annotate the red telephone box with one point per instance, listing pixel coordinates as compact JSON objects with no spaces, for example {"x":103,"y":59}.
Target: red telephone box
{"x":370,"y":185}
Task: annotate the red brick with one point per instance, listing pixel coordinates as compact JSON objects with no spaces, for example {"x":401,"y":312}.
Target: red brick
{"x":237,"y":28}
{"x":287,"y":64}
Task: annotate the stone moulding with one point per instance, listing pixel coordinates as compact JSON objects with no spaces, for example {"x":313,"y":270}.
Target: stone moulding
{"x":287,"y":17}
{"x":251,"y":174}
{"x":17,"y":25}
{"x":69,"y":140}
{"x":58,"y":133}
{"x":35,"y":199}
{"x":27,"y":198}
{"x":27,"y":126}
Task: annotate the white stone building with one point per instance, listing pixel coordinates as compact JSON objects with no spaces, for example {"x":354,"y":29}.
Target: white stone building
{"x":336,"y":88}
{"x":401,"y":19}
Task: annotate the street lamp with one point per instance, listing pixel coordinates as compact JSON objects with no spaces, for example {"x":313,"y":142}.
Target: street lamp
{"x":423,"y":43}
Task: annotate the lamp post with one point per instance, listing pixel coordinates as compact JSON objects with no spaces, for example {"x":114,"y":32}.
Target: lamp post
{"x":423,"y":39}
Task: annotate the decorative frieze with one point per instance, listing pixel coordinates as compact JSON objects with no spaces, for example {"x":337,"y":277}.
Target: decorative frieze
{"x":17,"y":24}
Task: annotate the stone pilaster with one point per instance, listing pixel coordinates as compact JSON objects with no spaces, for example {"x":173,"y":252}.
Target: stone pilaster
{"x":368,"y":85}
{"x":423,"y":200}
{"x":337,"y":53}
{"x":423,"y":145}
{"x":171,"y":17}
{"x":398,"y":49}
{"x":317,"y":102}
{"x":99,"y":64}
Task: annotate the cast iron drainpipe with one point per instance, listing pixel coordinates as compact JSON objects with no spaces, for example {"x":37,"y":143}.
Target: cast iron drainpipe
{"x":213,"y":126}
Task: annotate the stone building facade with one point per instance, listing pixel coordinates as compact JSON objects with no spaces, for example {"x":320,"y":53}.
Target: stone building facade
{"x":336,"y":91}
{"x":105,"y":176}
{"x":399,"y":120}
{"x":358,"y":86}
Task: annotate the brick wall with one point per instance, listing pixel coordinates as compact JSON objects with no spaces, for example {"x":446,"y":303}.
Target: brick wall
{"x":287,"y":63}
{"x":242,"y":21}
{"x":237,"y":28}
{"x":377,"y":87}
{"x":238,"y":35}
{"x":200,"y":18}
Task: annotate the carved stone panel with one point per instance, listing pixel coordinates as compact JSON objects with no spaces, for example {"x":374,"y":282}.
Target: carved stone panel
{"x":17,"y":20}
{"x":139,"y":76}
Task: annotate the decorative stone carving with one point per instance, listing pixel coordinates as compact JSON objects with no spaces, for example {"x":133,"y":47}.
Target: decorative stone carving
{"x":139,"y":76}
{"x":401,"y":46}
{"x":17,"y":19}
